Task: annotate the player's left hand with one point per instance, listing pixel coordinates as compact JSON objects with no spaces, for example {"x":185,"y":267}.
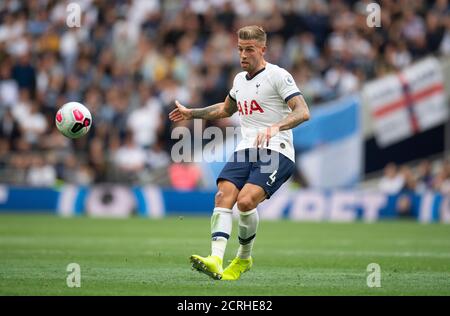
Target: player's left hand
{"x":263,"y":137}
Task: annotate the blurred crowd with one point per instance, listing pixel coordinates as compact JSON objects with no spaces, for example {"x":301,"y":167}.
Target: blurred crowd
{"x":130,"y":59}
{"x":406,"y":181}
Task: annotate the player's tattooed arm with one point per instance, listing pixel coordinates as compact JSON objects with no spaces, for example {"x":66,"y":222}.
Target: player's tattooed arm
{"x":216,"y":111}
{"x":299,"y":114}
{"x":230,"y":106}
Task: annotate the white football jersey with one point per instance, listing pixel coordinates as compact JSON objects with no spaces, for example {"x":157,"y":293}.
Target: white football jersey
{"x":262,"y":102}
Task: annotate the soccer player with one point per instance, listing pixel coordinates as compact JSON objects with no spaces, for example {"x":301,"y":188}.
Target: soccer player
{"x":269,"y":104}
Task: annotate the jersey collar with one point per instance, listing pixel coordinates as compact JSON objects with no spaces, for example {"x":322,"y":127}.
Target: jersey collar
{"x":248,"y":77}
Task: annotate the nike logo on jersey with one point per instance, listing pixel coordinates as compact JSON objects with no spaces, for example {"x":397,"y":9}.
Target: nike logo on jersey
{"x":248,"y":110}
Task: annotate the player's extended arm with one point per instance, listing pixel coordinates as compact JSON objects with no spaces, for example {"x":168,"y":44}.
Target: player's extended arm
{"x":216,"y":111}
{"x":299,"y":114}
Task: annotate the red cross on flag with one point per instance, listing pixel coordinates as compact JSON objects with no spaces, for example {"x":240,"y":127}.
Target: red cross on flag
{"x":406,"y":103}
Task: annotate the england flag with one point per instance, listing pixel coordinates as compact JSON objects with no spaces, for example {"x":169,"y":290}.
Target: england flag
{"x":407,"y":103}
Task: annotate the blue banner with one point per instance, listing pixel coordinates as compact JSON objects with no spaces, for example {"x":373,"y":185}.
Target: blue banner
{"x":330,"y":145}
{"x":28,"y":199}
{"x":330,"y":122}
{"x":154,"y":202}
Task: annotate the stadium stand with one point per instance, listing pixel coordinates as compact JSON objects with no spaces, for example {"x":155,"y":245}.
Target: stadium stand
{"x":132,"y":59}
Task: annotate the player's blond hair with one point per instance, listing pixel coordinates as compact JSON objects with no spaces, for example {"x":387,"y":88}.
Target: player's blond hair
{"x":252,"y":32}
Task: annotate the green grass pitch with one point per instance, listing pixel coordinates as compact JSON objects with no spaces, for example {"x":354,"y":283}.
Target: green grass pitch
{"x":139,"y":256}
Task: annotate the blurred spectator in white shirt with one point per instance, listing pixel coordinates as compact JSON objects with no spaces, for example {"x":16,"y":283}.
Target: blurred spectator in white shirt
{"x":41,"y":173}
{"x":341,"y":80}
{"x":9,"y":91}
{"x":145,"y":121}
{"x":34,"y":126}
{"x":392,"y":181}
{"x":129,"y":157}
{"x":22,"y":108}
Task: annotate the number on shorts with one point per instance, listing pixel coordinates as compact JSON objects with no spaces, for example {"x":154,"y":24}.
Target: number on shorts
{"x":272,"y":178}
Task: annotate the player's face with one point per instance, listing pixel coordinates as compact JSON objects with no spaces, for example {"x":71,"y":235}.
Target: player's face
{"x":251,"y":54}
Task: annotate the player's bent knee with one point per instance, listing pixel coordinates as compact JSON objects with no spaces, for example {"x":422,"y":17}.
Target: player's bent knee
{"x":220,"y":196}
{"x":224,"y":200}
{"x":246,"y":203}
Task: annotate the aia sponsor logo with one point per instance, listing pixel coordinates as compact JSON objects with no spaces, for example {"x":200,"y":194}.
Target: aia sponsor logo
{"x":247,"y":109}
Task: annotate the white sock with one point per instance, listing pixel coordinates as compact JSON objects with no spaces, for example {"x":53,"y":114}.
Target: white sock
{"x":248,"y":225}
{"x":221,"y":224}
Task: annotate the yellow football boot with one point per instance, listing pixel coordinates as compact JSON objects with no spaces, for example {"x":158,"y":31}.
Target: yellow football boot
{"x":236,"y":268}
{"x":211,"y":266}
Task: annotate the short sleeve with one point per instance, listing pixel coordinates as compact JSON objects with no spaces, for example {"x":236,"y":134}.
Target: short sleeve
{"x":232,"y":93}
{"x":285,"y":85}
